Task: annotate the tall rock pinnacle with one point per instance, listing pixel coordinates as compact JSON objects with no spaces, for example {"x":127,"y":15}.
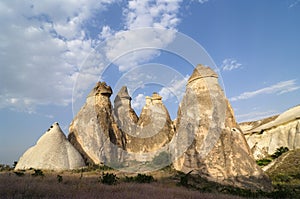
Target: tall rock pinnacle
{"x":125,"y":116}
{"x":154,"y":128}
{"x":218,"y":149}
{"x":93,"y":131}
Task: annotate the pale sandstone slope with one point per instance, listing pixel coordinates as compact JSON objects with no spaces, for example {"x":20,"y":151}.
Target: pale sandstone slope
{"x":52,"y":151}
{"x":281,"y":131}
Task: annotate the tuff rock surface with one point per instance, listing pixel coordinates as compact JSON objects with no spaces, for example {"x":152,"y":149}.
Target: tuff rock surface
{"x":217,"y":148}
{"x":266,"y":135}
{"x":94,"y":132}
{"x":148,"y":135}
{"x":124,"y":115}
{"x":154,"y":128}
{"x":52,"y":151}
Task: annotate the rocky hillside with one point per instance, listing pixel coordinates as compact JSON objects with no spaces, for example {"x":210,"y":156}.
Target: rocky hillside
{"x":267,"y":135}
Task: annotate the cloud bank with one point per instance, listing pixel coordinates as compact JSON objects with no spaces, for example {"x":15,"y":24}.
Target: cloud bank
{"x":278,"y":88}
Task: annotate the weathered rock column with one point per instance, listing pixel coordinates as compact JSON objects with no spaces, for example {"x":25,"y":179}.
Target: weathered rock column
{"x":218,"y":149}
{"x":94,"y":132}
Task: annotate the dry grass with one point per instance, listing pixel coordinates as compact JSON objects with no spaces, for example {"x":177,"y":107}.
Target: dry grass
{"x":88,"y":186}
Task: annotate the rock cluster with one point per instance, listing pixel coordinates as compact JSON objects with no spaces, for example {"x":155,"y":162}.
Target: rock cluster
{"x":205,"y":138}
{"x":267,"y":135}
{"x":52,"y":151}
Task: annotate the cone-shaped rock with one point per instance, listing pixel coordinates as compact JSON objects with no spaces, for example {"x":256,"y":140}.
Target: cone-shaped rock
{"x":52,"y":151}
{"x":154,"y":129}
{"x":93,"y":131}
{"x":217,"y":147}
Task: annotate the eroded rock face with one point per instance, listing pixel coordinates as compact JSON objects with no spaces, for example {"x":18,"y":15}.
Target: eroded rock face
{"x":154,"y":128}
{"x":125,"y":116}
{"x":217,"y":147}
{"x":52,"y":151}
{"x":280,"y":131}
{"x":94,"y":132}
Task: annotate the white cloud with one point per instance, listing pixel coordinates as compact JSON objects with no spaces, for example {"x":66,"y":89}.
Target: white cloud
{"x":230,"y":64}
{"x":294,"y":3}
{"x":143,"y":14}
{"x":42,"y":44}
{"x":255,"y":115}
{"x":202,"y":1}
{"x":176,"y":88}
{"x":279,"y":88}
{"x":138,"y":102}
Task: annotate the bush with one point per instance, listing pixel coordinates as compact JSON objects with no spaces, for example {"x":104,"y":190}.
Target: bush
{"x":5,"y":167}
{"x":184,"y":179}
{"x":263,"y":162}
{"x":93,"y":167}
{"x":108,"y":178}
{"x":19,"y":173}
{"x":140,"y":178}
{"x":38,"y":172}
{"x":279,"y":152}
{"x":282,"y":178}
{"x":59,"y":178}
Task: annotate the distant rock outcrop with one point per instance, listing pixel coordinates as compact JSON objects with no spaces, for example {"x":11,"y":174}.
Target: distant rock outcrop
{"x":218,"y":149}
{"x":266,"y":135}
{"x":94,"y":132}
{"x":52,"y":151}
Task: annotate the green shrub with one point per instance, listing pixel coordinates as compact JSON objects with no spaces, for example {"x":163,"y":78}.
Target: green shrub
{"x":282,"y":178}
{"x":38,"y":172}
{"x":263,"y":162}
{"x":15,"y":164}
{"x":19,"y":173}
{"x":108,"y":178}
{"x":140,"y":178}
{"x":93,"y":167}
{"x":5,"y":167}
{"x":184,"y":179}
{"x":279,"y":152}
{"x":59,"y":178}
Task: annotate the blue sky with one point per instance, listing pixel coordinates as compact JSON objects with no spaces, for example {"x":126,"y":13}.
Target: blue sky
{"x":53,"y":52}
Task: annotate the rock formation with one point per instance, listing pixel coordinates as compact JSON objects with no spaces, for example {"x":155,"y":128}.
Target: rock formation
{"x":94,"y":132}
{"x":52,"y":151}
{"x":266,"y":135}
{"x":125,"y":116}
{"x":217,"y":147}
{"x":154,"y":129}
{"x":146,"y":136}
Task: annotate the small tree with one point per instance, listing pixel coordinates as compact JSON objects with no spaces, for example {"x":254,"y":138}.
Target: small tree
{"x":279,"y":152}
{"x":108,"y":178}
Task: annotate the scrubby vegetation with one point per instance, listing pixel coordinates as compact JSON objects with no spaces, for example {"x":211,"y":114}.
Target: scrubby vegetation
{"x":96,"y":181}
{"x":279,"y":152}
{"x":108,"y":178}
{"x":265,"y":161}
{"x":140,"y":178}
